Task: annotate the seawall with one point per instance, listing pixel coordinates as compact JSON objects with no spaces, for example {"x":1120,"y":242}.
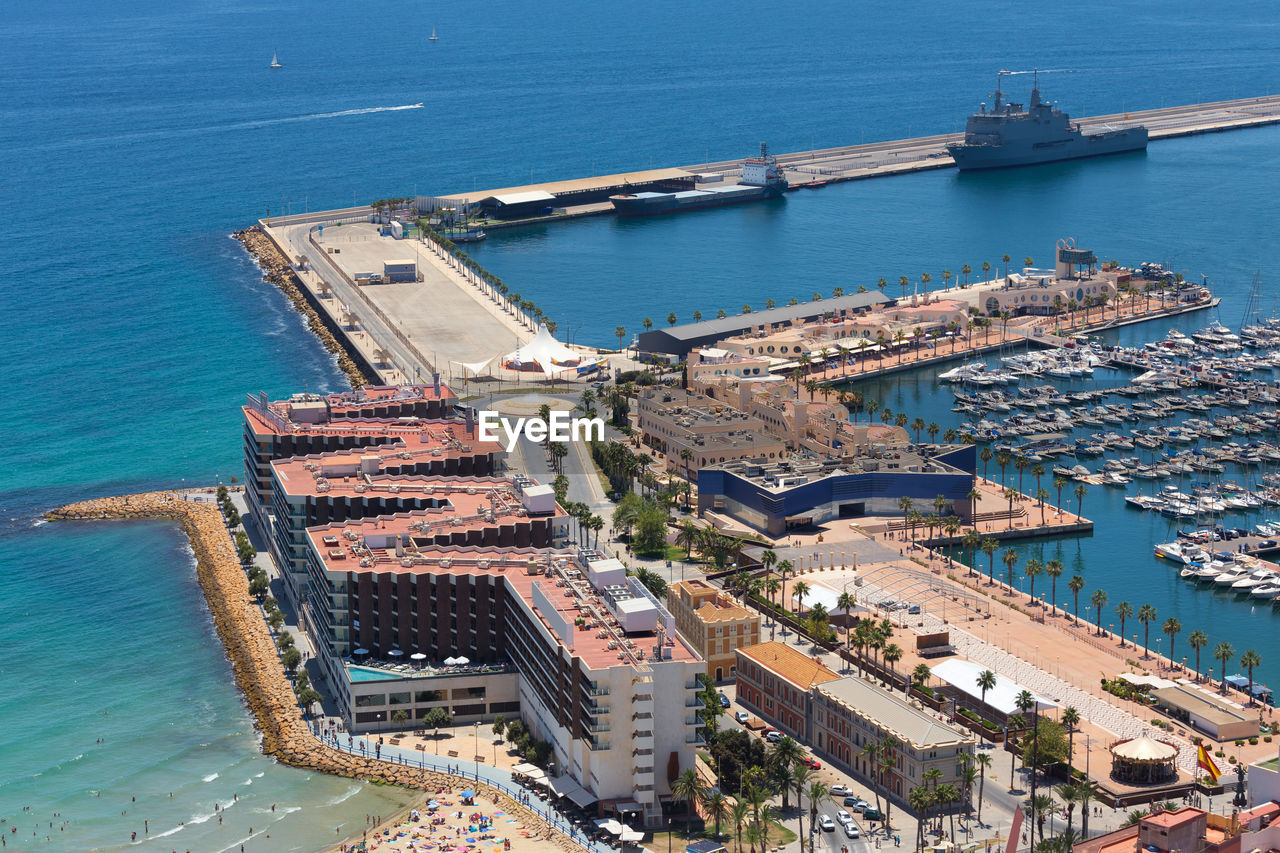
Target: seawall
{"x":277,"y":270}
{"x":254,"y":661}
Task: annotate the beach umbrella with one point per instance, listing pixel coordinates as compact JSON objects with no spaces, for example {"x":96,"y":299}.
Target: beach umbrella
{"x":462,"y":661}
{"x":450,"y":661}
{"x":360,"y":652}
{"x":417,"y":656}
{"x":395,"y":653}
{"x":468,"y":794}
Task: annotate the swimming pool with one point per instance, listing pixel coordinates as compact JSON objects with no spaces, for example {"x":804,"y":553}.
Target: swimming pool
{"x":360,"y":673}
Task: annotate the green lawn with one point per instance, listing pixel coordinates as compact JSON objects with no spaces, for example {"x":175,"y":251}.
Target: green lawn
{"x":674,"y":553}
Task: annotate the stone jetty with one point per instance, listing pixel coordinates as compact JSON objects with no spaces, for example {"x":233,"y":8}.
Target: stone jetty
{"x":252,"y":651}
{"x":276,"y":269}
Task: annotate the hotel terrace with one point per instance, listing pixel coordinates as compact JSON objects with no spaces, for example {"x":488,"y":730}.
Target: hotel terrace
{"x":371,"y":481}
{"x":593,"y":658}
{"x":313,"y":423}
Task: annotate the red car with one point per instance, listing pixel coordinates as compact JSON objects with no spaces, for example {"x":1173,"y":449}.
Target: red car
{"x":809,"y":762}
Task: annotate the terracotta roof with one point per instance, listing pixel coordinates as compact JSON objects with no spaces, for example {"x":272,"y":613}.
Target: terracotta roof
{"x":711,"y":612}
{"x":796,"y":667}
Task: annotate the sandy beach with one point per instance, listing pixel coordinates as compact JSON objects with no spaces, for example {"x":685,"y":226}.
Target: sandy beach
{"x":447,"y":822}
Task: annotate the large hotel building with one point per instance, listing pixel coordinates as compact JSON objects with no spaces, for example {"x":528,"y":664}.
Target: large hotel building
{"x":405,"y":546}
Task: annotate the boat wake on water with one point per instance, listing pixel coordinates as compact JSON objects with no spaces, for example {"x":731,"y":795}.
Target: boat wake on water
{"x":176,"y":132}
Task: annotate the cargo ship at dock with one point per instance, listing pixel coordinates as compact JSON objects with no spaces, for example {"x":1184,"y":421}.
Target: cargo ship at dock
{"x":1009,"y":135}
{"x":761,"y":178}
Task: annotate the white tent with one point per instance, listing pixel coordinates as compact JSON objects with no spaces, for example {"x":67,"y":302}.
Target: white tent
{"x":545,"y":353}
{"x":963,"y":675}
{"x":474,"y":367}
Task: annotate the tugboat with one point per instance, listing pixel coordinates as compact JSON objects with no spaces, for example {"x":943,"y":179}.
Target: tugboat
{"x":761,"y":178}
{"x":1009,"y":135}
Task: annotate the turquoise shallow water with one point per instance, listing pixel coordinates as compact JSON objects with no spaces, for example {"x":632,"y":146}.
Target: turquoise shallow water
{"x":136,"y":136}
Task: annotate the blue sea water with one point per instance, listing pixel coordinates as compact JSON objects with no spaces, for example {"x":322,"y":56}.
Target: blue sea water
{"x":136,"y":136}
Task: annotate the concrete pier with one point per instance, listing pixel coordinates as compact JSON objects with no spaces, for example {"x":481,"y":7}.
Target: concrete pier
{"x":812,"y":169}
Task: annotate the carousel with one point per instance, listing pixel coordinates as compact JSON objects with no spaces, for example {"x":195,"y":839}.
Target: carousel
{"x":1144,"y":761}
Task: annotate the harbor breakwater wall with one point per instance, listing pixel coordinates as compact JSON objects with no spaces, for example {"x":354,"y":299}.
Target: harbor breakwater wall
{"x":277,"y":270}
{"x":252,"y":651}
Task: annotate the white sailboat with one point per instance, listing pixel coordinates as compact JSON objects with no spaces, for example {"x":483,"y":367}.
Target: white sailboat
{"x":433,"y":36}
{"x":276,"y":64}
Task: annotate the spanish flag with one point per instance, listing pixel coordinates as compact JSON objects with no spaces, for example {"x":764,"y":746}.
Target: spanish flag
{"x":1206,"y":764}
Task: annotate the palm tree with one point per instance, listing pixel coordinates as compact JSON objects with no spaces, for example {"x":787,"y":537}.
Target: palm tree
{"x":888,"y":763}
{"x":1070,"y":721}
{"x":1098,"y":600}
{"x":1075,"y":584}
{"x":1123,"y":611}
{"x":947,"y":795}
{"x":1197,"y":640}
{"x":986,"y":270}
{"x":882,"y":284}
{"x":647,"y":323}
{"x":1224,"y":652}
{"x":687,"y":788}
{"x":671,"y":318}
{"x":738,"y":814}
{"x":817,"y":792}
{"x":1005,"y":259}
{"x":716,"y":806}
{"x":986,"y":455}
{"x":1171,"y":627}
{"x":847,"y":603}
{"x":920,"y":799}
{"x":758,"y":832}
{"x":904,"y":281}
{"x":1146,"y":615}
{"x":871,"y":753}
{"x":1060,"y":483}
{"x":697,"y":316}
{"x":970,"y":542}
{"x":798,"y":591}
{"x":1041,"y":805}
{"x":983,"y":760}
{"x":905,"y":503}
{"x":1080,"y":491}
{"x":621,"y":333}
{"x":1034,"y":569}
{"x":892,"y":654}
{"x":1054,"y":569}
{"x":802,"y":776}
{"x":989,"y":547}
{"x":1003,"y":459}
{"x":986,"y":681}
{"x":1249,"y":660}
{"x":1010,"y":559}
{"x":917,"y":425}
{"x":1084,"y":795}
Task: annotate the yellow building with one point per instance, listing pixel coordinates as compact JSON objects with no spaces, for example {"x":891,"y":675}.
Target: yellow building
{"x":713,"y":623}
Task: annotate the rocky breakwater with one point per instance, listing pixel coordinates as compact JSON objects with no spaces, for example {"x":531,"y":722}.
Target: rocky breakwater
{"x":276,"y":269}
{"x":246,"y":638}
{"x":252,"y":651}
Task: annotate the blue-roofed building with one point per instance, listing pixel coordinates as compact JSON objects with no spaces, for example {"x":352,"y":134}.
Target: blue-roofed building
{"x":806,"y":489}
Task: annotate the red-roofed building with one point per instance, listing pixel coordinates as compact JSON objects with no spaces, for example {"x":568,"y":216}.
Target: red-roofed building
{"x":1187,"y":830}
{"x":382,"y":480}
{"x":314,"y":423}
{"x":602,"y":674}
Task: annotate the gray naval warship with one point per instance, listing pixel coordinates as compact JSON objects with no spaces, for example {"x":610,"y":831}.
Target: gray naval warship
{"x":1009,"y":135}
